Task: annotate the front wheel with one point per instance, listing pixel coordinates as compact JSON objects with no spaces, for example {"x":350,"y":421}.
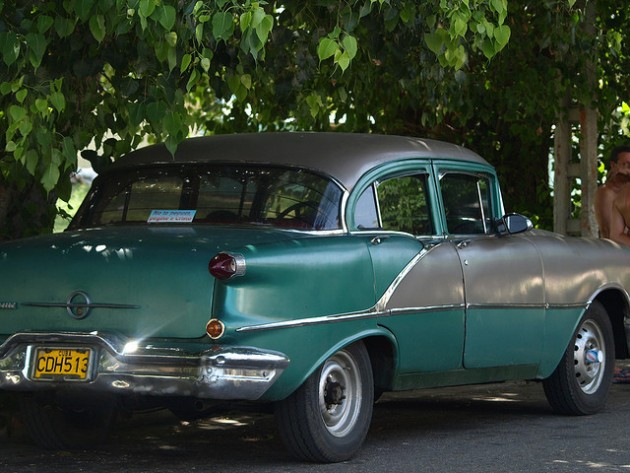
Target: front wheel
{"x":327,"y":418}
{"x":582,"y":380}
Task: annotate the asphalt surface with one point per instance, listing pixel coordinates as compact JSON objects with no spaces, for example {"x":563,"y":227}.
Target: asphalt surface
{"x":492,"y":428}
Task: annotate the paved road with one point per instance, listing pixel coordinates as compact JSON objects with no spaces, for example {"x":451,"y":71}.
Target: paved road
{"x":492,"y":428}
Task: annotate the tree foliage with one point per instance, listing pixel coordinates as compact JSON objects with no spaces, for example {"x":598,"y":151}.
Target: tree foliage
{"x":107,"y":74}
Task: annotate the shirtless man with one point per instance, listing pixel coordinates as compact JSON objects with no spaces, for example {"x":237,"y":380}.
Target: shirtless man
{"x":606,"y":195}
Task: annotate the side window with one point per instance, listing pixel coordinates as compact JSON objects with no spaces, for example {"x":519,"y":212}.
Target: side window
{"x":403,"y":204}
{"x":466,"y":200}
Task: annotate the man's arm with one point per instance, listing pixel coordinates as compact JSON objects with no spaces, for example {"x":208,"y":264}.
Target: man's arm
{"x":604,"y":199}
{"x":619,"y":212}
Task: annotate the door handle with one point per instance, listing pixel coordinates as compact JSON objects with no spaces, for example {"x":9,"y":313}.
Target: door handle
{"x":463,"y":244}
{"x":377,"y":240}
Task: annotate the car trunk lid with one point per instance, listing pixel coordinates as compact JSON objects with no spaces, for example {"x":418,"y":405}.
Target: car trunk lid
{"x":136,"y":281}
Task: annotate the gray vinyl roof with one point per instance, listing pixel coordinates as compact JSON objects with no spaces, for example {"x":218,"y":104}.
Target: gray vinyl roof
{"x":344,"y":156}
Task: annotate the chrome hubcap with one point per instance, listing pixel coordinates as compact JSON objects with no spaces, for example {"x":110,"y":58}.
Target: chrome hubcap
{"x":589,"y":357}
{"x":340,"y":394}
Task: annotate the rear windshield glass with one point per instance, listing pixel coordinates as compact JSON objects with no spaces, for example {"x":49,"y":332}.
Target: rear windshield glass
{"x":213,"y":194}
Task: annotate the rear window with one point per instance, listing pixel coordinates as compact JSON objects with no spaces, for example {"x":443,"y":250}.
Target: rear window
{"x":213,"y":194}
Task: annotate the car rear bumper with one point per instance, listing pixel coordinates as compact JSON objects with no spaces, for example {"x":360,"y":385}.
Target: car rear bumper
{"x":127,"y":367}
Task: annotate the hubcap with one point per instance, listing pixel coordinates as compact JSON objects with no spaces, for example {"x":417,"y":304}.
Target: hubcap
{"x":340,"y":393}
{"x":589,"y":357}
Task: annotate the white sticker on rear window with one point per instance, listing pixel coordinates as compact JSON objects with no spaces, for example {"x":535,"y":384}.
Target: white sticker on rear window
{"x":171,"y":216}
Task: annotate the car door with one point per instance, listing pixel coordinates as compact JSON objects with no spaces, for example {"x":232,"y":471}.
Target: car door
{"x":418,"y":277}
{"x":503,"y":278}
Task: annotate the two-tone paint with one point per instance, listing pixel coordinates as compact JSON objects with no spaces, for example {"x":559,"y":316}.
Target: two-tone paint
{"x":433,"y":310}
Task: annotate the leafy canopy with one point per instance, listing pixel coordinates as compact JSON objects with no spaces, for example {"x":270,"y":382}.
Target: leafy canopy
{"x":108,"y":73}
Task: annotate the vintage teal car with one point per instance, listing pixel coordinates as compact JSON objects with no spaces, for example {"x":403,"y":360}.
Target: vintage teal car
{"x":308,"y":271}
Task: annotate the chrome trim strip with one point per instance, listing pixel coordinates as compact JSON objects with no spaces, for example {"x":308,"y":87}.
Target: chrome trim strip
{"x":91,"y":305}
{"x":384,"y":300}
{"x":375,"y":313}
{"x":325,"y":319}
{"x":415,"y":310}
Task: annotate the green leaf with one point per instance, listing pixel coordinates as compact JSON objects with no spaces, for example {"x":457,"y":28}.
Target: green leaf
{"x":68,"y":149}
{"x":234,"y":83}
{"x":186,"y":58}
{"x":5,"y":88}
{"x":41,"y":105}
{"x":487,"y":48}
{"x":97,"y":27}
{"x":326,"y":48}
{"x":173,"y":123}
{"x":192,"y":80}
{"x":171,"y":144}
{"x":166,"y":17}
{"x":10,"y":47}
{"x":171,"y":56}
{"x":21,"y":95}
{"x":155,"y":113}
{"x":205,"y":64}
{"x":264,"y":28}
{"x":314,"y":103}
{"x":17,"y":113}
{"x":245,"y":20}
{"x":44,"y":22}
{"x":84,"y":9}
{"x":64,"y":26}
{"x":350,"y":45}
{"x":146,"y":8}
{"x":246,"y":80}
{"x":31,"y":160}
{"x":50,"y":177}
{"x":437,"y":40}
{"x":58,"y":101}
{"x":343,"y":60}
{"x":37,"y":46}
{"x":171,"y":38}
{"x":502,"y":36}
{"x":222,"y":26}
{"x":199,"y":32}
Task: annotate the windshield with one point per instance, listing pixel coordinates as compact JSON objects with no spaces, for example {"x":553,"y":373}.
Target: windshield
{"x":213,"y":194}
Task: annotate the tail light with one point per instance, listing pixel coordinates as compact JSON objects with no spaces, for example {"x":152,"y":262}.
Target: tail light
{"x":226,"y":266}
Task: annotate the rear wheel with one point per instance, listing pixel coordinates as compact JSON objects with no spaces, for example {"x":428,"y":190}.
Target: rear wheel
{"x":67,"y":423}
{"x":582,"y":380}
{"x":327,"y":418}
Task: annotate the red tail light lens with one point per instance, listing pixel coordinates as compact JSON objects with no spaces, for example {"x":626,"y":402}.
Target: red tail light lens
{"x":225,"y":266}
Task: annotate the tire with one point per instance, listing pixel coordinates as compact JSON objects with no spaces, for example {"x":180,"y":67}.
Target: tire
{"x":61,"y":424}
{"x":328,"y":417}
{"x":581,"y":382}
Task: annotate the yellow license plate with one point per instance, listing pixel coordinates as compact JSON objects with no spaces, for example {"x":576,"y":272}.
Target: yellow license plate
{"x":62,"y":363}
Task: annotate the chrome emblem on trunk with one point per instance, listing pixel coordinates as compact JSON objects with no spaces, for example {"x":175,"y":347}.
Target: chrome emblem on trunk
{"x":78,"y":305}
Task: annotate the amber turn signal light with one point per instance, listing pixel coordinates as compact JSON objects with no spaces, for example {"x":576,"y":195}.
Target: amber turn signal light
{"x":215,"y":329}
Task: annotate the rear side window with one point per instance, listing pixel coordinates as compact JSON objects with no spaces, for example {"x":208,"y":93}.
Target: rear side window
{"x":396,"y":204}
{"x":467,"y":203}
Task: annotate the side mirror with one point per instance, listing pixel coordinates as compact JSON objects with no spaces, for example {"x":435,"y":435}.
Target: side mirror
{"x":513,"y":223}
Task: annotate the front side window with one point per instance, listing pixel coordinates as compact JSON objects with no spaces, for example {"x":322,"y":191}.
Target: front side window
{"x":214,"y":194}
{"x":466,"y":200}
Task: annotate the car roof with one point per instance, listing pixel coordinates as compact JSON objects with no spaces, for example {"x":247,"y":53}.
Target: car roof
{"x":344,"y":156}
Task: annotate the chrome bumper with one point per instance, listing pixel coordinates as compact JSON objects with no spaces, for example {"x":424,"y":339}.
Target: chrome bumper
{"x":125,"y":366}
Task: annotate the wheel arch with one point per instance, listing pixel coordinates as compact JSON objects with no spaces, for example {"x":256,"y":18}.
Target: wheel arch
{"x":616,"y":303}
{"x":382,"y":350}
